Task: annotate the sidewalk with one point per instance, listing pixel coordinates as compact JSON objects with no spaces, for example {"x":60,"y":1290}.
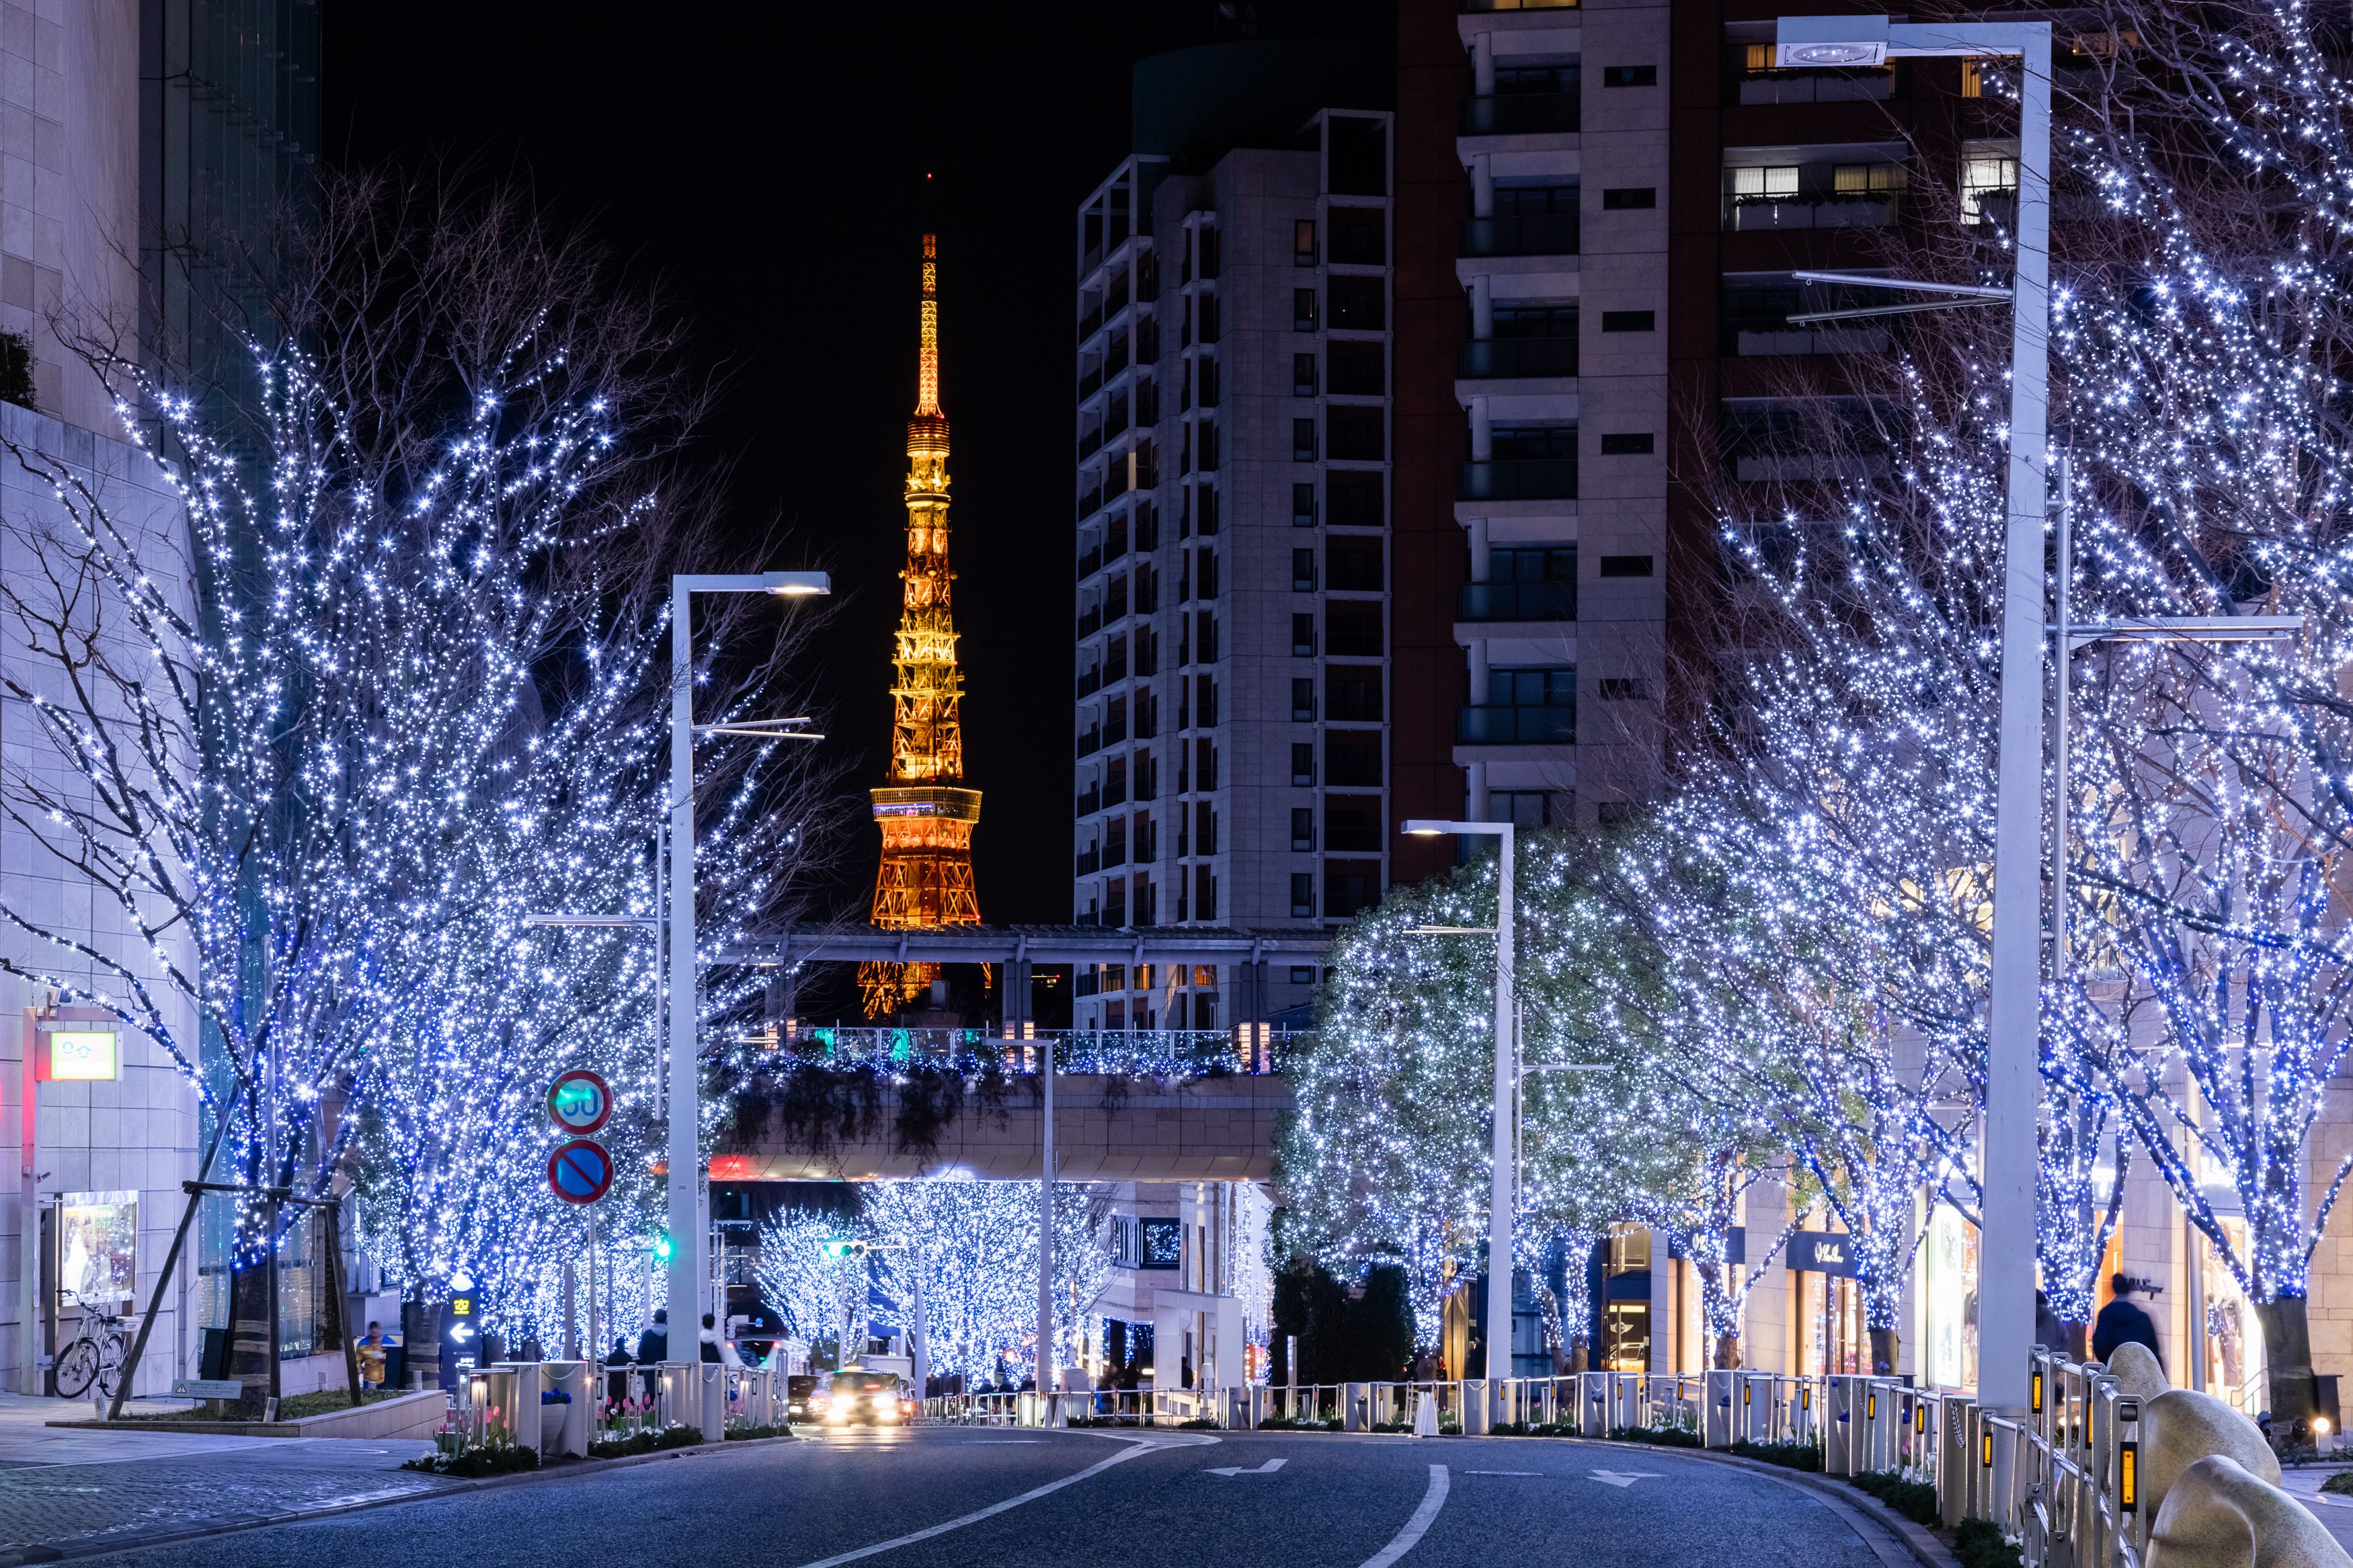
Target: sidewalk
{"x":69,"y":1493}
{"x":2335,"y":1511}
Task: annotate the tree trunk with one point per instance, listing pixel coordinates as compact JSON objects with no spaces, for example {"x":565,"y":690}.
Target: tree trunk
{"x":1579,"y":1356}
{"x":1884,"y":1346}
{"x":2287,"y":1357}
{"x":2076,"y":1341}
{"x":250,"y":1353}
{"x":1727,"y":1353}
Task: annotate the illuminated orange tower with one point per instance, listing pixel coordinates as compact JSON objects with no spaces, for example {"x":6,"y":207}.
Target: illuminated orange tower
{"x":927,"y":817}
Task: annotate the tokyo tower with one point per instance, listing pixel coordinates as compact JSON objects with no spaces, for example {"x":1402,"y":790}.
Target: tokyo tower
{"x":925,"y":816}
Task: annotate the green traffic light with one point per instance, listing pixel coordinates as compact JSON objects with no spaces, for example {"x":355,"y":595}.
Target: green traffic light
{"x":661,"y":1247}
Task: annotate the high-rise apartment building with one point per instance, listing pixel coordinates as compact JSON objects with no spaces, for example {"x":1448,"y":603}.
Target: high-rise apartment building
{"x":1234,"y":503}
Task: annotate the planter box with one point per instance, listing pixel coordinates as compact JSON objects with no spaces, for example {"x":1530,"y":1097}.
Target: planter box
{"x":412,"y":1415}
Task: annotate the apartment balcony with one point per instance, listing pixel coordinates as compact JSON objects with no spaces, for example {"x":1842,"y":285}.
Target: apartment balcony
{"x":1088,"y":804}
{"x":1091,"y":741}
{"x":1517,"y":602}
{"x":1088,"y":864}
{"x":1853,"y":85}
{"x":1519,"y":478}
{"x":1516,"y":359}
{"x":1542,"y":234}
{"x":1492,"y":725}
{"x":1758,"y":214}
{"x":1090,"y":683}
{"x":1521,"y":114}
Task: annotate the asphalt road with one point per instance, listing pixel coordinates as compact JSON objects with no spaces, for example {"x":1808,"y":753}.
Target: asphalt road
{"x":934,"y":1497}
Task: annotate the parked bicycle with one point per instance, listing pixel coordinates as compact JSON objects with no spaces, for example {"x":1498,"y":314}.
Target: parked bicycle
{"x":95,"y":1355}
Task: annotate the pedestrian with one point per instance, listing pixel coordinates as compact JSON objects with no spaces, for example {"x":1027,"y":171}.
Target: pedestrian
{"x":714,"y":1347}
{"x":2123,"y":1323}
{"x":616,"y":1383}
{"x":653,"y":1349}
{"x":2049,"y":1331}
{"x":371,"y":1348}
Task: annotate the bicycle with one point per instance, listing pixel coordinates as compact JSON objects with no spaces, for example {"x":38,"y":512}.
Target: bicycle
{"x":96,"y":1353}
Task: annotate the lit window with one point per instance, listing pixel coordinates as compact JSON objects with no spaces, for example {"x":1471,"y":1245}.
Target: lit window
{"x":1988,"y":172}
{"x":1765,"y":182}
{"x":1866,"y":179}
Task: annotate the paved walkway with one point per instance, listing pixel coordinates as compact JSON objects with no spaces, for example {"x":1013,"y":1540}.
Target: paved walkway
{"x":71,"y":1492}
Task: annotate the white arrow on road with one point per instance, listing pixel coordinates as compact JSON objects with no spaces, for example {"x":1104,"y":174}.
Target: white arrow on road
{"x":1624,"y":1478}
{"x":1266,"y":1470}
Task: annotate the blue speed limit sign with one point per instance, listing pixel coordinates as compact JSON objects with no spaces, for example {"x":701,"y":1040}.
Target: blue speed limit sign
{"x":580,"y":1172}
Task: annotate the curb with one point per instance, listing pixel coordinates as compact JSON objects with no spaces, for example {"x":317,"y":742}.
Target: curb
{"x":75,"y":1550}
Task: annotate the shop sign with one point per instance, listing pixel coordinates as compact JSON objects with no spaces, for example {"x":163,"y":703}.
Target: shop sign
{"x":1822,"y":1252}
{"x":98,"y":1247}
{"x":79,"y":1056}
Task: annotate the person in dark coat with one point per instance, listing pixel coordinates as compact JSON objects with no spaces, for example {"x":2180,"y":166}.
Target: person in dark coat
{"x":653,"y":1349}
{"x":616,"y":1383}
{"x":2123,"y":1323}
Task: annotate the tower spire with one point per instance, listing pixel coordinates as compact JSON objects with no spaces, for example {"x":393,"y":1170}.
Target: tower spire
{"x":926,"y":880}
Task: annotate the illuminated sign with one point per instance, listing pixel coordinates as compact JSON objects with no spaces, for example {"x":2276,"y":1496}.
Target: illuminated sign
{"x":98,"y":1247}
{"x":80,"y":1056}
{"x":1822,"y":1252}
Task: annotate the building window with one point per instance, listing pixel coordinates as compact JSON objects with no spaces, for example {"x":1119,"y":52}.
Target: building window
{"x":1629,"y":75}
{"x":1302,"y":243}
{"x":1303,"y":570}
{"x":1302,"y":310}
{"x":1534,"y":686}
{"x":1303,"y":975}
{"x":1302,"y":698}
{"x":1302,"y":836}
{"x":1205,"y":1003}
{"x":1354,"y":500}
{"x":1626,"y":443}
{"x":1302,"y":635}
{"x":1303,"y":504}
{"x":1534,"y":442}
{"x":1525,"y":808}
{"x":1629,"y":198}
{"x":1347,"y":890}
{"x":1630,"y":321}
{"x":1989,"y":181}
{"x":1356,"y":434}
{"x":1303,"y":375}
{"x":1358,"y":305}
{"x":1303,"y":894}
{"x":1303,"y":440}
{"x":1303,"y":762}
{"x":1626,"y":565}
{"x":1621,"y":689}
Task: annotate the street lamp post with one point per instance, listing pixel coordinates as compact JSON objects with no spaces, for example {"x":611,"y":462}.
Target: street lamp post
{"x":2006,"y":1161}
{"x":1502,"y":1200}
{"x":684,"y":1291}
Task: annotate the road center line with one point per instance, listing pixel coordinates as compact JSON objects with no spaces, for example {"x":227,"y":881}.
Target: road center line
{"x":1406,"y":1539}
{"x":1012,"y":1502}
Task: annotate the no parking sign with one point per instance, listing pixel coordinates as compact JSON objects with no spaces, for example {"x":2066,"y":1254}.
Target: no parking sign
{"x":580,"y":1172}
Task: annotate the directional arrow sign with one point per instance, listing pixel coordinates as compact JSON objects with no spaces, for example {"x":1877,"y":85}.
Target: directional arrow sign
{"x":1266,"y":1470}
{"x":1624,"y":1478}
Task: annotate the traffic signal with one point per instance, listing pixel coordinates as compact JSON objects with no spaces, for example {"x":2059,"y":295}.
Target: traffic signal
{"x":661,"y":1245}
{"x":837,"y":1248}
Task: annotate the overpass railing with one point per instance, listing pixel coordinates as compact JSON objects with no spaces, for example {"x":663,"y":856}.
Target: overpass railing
{"x":1246,"y":1048}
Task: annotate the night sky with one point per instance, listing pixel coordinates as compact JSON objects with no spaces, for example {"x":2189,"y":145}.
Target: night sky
{"x":767,"y":167}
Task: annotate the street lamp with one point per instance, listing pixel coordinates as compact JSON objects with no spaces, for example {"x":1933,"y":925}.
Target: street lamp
{"x":1501,"y":1197}
{"x":685,"y":1275}
{"x":2007,"y":1162}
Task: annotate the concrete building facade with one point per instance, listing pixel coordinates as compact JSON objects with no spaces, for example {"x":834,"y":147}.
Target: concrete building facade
{"x":1232,"y":615}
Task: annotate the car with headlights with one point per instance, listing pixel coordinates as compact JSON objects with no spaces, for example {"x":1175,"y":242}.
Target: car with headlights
{"x":871,"y":1398}
{"x":801,"y":1401}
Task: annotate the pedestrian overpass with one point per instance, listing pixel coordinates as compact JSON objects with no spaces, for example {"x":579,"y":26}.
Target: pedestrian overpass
{"x":1146,"y":1105}
{"x":1132,"y":1105}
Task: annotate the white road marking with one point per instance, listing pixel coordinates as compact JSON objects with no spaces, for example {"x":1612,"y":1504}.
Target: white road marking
{"x":1266,"y":1470}
{"x":1406,"y":1539}
{"x":1503,"y":1472}
{"x":993,"y":1510}
{"x":1624,"y":1478}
